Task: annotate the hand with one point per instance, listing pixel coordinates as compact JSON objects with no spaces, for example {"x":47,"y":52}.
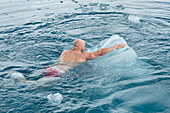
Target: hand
{"x":120,"y":46}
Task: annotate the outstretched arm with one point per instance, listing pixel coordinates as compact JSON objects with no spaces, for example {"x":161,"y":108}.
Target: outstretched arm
{"x":100,"y":52}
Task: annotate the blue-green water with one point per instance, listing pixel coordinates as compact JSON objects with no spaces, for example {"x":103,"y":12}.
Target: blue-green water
{"x":33,"y":33}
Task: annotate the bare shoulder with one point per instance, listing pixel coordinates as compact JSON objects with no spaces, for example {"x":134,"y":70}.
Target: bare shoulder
{"x":66,"y":51}
{"x":86,"y":54}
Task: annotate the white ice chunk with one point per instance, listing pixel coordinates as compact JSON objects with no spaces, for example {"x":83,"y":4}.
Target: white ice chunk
{"x":120,"y":57}
{"x":55,"y":99}
{"x":134,"y":18}
{"x":17,"y":76}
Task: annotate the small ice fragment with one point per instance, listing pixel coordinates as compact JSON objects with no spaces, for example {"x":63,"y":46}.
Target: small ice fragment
{"x":134,"y":18}
{"x":55,"y":98}
{"x":17,"y":76}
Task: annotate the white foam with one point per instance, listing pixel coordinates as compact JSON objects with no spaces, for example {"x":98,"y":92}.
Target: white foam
{"x":46,"y":80}
{"x":55,"y":99}
{"x":17,"y":76}
{"x":134,"y":18}
{"x":119,"y":110}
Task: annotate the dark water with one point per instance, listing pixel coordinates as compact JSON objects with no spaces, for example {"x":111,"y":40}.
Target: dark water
{"x":33,"y":33}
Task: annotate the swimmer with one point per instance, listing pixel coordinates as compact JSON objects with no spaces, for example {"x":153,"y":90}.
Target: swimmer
{"x":77,"y":54}
{"x":71,"y":58}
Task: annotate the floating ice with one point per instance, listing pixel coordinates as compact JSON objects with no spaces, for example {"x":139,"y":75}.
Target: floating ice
{"x":55,"y":99}
{"x":120,"y":57}
{"x":134,"y":18}
{"x":17,"y":76}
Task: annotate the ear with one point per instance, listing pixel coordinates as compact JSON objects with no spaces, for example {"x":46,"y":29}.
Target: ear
{"x":79,"y":47}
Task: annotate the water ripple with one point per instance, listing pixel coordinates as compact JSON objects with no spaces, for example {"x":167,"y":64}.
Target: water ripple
{"x":34,"y":33}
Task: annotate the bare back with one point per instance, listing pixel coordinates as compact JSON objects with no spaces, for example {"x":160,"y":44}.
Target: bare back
{"x":71,"y":56}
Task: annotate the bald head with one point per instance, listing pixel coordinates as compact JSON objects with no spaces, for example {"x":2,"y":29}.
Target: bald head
{"x":78,"y":42}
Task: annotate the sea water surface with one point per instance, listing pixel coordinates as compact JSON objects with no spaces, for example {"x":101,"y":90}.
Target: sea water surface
{"x":33,"y":34}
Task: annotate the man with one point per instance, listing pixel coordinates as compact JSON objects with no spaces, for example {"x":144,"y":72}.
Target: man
{"x":71,"y":58}
{"x":76,"y":55}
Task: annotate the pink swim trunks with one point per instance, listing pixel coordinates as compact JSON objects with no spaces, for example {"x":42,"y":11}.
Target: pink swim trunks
{"x":53,"y":72}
